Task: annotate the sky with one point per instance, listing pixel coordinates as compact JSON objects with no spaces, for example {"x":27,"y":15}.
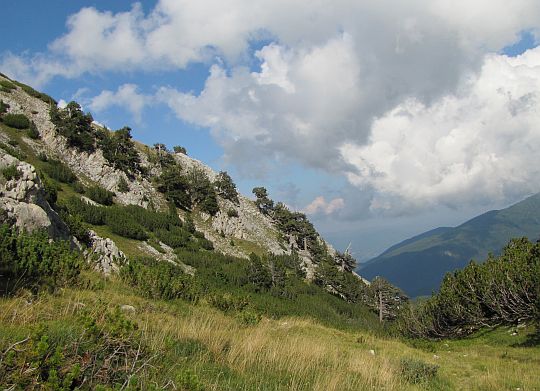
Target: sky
{"x":378,"y":119}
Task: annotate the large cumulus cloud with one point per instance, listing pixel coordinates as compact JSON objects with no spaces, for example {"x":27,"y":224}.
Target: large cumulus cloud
{"x":480,"y":143}
{"x":408,"y":99}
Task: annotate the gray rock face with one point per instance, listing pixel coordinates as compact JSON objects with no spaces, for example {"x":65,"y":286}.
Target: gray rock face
{"x":104,"y":254}
{"x":167,"y":255}
{"x":87,"y":166}
{"x":23,"y":199}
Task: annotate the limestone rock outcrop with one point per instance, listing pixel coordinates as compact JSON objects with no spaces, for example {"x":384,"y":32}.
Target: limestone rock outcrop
{"x":23,"y":199}
{"x":105,"y":256}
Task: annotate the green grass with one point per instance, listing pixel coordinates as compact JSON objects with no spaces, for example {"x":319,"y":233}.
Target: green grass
{"x":202,"y":346}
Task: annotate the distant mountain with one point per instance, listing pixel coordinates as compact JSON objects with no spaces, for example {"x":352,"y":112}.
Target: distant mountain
{"x":417,"y":265}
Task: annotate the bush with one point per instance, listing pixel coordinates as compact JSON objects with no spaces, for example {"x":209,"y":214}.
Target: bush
{"x":100,"y":195}
{"x":76,"y":227}
{"x":33,"y":132}
{"x":416,"y":371}
{"x":78,"y":187}
{"x":123,"y":225}
{"x":11,"y":172}
{"x":227,"y":302}
{"x":17,"y":121}
{"x":31,"y":260}
{"x":3,"y":107}
{"x":174,"y":237}
{"x":96,"y":353}
{"x":42,"y":156}
{"x":502,"y":290}
{"x":123,"y":186}
{"x":7,"y":86}
{"x":59,"y":171}
{"x":51,"y":189}
{"x":160,"y":280}
{"x":91,"y":214}
{"x":232,"y":213}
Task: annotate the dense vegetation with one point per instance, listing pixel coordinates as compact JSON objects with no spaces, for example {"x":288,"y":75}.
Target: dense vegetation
{"x":17,"y":121}
{"x":31,"y":260}
{"x":187,"y":191}
{"x":502,"y":290}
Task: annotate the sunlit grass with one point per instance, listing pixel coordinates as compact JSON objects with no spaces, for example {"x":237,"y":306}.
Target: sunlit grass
{"x":282,"y":354}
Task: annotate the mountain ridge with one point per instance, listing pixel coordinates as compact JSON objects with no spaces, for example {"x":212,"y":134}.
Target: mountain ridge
{"x":433,"y":253}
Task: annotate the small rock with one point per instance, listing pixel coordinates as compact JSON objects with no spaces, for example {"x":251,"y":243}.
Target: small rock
{"x":127,"y":308}
{"x":372,"y":352}
{"x":436,"y":357}
{"x":514,"y":333}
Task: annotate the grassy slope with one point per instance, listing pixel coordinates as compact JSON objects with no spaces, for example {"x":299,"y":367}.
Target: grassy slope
{"x":432,"y":254}
{"x":283,"y":354}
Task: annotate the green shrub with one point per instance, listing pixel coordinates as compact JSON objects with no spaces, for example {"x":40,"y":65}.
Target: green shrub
{"x":174,"y":237}
{"x":78,"y":187}
{"x":91,"y":214}
{"x":7,"y":86}
{"x":125,"y":226}
{"x":51,"y":189}
{"x":227,"y":302}
{"x":249,"y":317}
{"x":75,"y":126}
{"x":100,"y":195}
{"x":12,"y":151}
{"x":123,"y":186}
{"x":119,"y":150}
{"x":188,"y":380}
{"x":477,"y":295}
{"x":17,"y":121}
{"x":30,"y":260}
{"x":226,"y":187}
{"x":33,"y":132}
{"x":95,"y":353}
{"x":76,"y":227}
{"x":232,"y":213}
{"x":416,"y":371}
{"x":59,"y":171}
{"x":42,"y":156}
{"x":160,"y":280}
{"x":11,"y":172}
{"x":3,"y":107}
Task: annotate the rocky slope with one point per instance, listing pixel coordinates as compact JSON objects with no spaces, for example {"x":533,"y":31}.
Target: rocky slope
{"x":247,"y":231}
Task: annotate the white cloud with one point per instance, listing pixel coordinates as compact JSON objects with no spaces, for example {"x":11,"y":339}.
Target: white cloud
{"x":62,"y":104}
{"x":126,"y":96}
{"x":320,"y":205}
{"x":476,"y":145}
{"x":401,"y":96}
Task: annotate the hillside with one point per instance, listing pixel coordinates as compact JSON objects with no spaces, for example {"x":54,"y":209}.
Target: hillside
{"x":129,"y":267}
{"x":417,"y":265}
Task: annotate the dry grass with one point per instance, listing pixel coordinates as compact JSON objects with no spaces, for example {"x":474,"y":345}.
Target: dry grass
{"x":285,"y":354}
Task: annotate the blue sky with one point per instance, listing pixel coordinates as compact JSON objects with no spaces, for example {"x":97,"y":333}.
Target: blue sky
{"x":378,"y":124}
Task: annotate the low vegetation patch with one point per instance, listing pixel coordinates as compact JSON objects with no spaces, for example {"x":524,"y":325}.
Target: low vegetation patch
{"x":416,"y":371}
{"x":100,"y":195}
{"x":11,"y":172}
{"x":31,"y":261}
{"x":17,"y":121}
{"x":59,"y":171}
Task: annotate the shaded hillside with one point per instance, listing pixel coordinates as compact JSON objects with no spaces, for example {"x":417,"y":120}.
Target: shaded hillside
{"x":417,"y":265}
